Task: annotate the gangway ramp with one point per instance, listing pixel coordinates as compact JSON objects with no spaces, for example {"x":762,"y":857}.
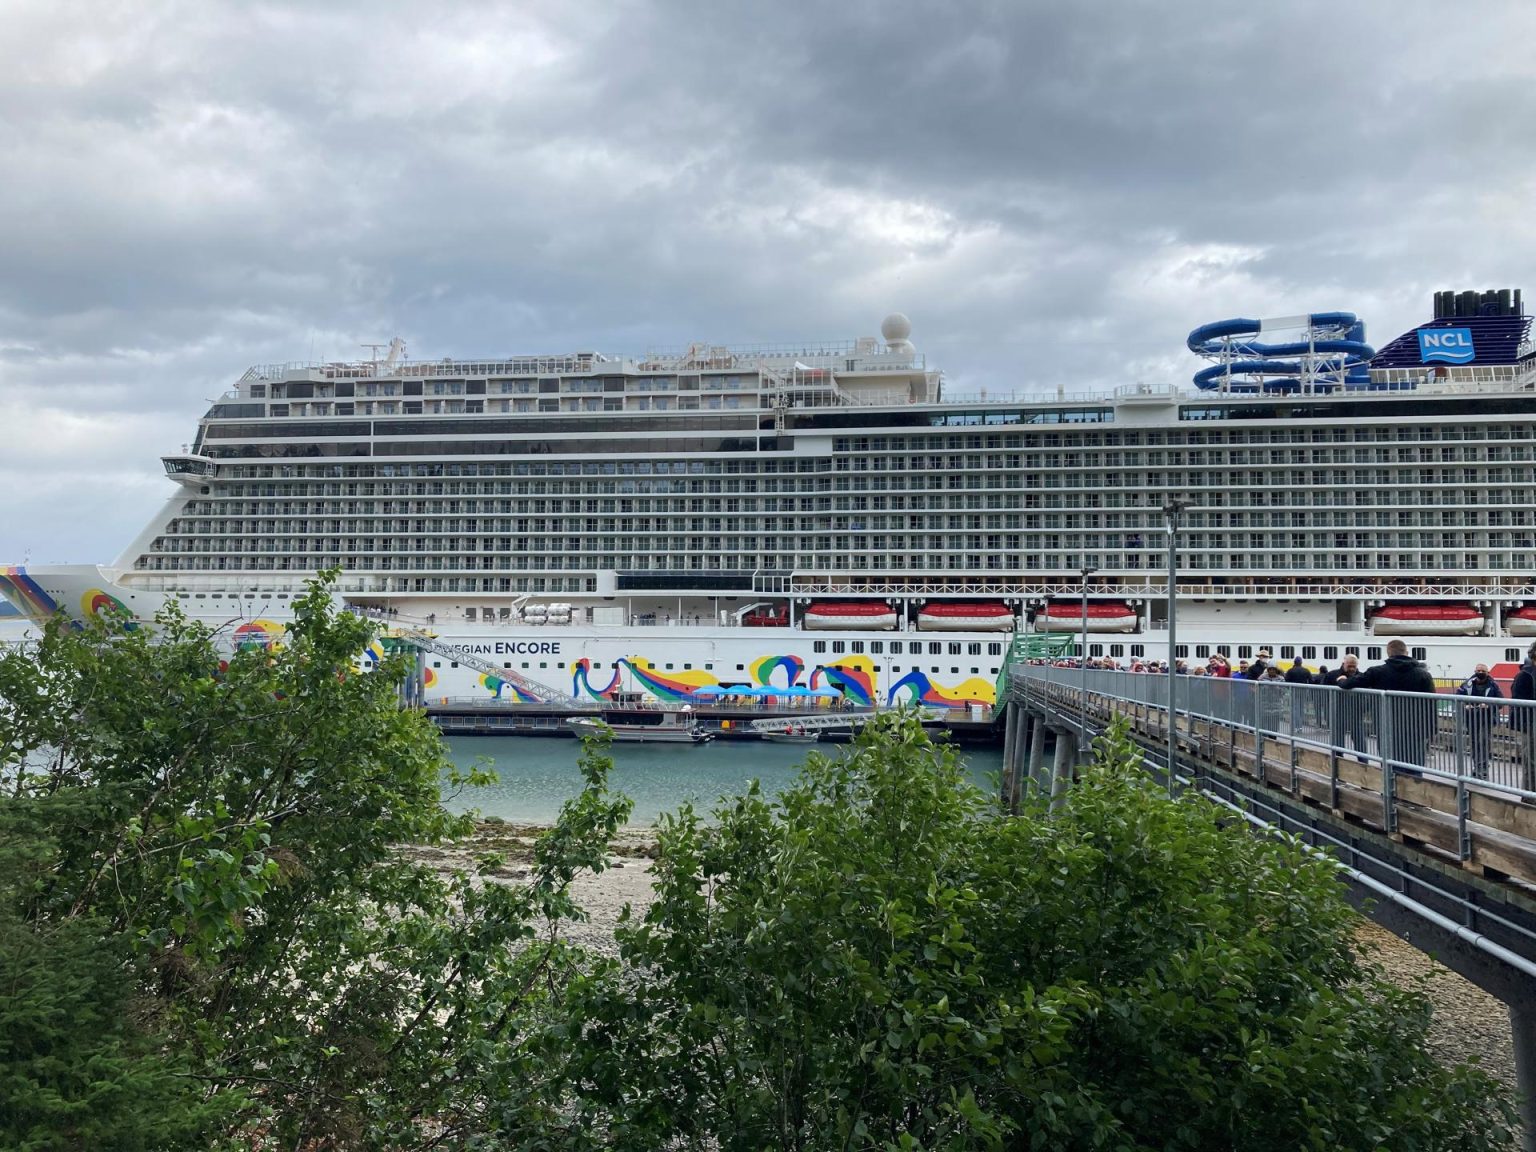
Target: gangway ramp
{"x":815,"y":722}
{"x":427,"y":642}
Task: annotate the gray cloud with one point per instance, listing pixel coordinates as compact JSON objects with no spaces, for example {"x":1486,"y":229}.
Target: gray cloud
{"x":1054,"y":193}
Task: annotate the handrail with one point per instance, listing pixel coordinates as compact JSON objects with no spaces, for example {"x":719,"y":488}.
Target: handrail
{"x":1454,"y":771}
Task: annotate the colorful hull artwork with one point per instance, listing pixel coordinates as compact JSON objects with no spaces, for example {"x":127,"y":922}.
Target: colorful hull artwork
{"x":922,"y":690}
{"x":21,"y":589}
{"x":258,"y":634}
{"x":582,"y":687}
{"x":764,"y":667}
{"x":854,"y":678}
{"x":98,"y":605}
{"x":495,"y":685}
{"x":673,"y":688}
{"x":428,"y":679}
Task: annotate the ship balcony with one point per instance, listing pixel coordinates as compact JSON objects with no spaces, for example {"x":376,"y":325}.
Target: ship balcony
{"x":189,"y":469}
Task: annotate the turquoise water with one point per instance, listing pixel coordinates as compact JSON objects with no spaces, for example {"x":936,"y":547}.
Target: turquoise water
{"x":538,"y":775}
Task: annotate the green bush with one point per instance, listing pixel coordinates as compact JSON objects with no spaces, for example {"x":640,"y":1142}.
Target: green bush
{"x":881,"y":959}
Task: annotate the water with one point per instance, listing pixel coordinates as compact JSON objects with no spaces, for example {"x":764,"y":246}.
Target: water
{"x":538,"y":775}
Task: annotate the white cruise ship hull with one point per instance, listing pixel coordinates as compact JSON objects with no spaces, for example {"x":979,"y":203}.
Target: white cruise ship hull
{"x":670,"y":662}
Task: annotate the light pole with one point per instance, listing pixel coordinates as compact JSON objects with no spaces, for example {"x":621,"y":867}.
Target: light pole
{"x":1082,"y":700}
{"x":1173,"y":512}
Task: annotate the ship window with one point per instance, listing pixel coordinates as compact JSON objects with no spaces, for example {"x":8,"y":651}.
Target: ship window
{"x":1512,"y":654}
{"x":669,"y":667}
{"x":994,"y":649}
{"x":1202,"y":651}
{"x":877,"y":647}
{"x":1330,"y":652}
{"x":1421,"y":653}
{"x":437,"y":663}
{"x":1181,"y":652}
{"x":507,"y":664}
{"x":856,"y":646}
{"x":1373,"y":652}
{"x":1138,"y":649}
{"x":819,"y":646}
{"x":973,"y":650}
{"x":838,"y":646}
{"x":1114,"y":649}
{"x":1287,"y":651}
{"x":935,"y":649}
{"x":741,"y":667}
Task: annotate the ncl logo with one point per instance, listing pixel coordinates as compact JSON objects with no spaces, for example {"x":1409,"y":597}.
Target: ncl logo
{"x":1450,"y":345}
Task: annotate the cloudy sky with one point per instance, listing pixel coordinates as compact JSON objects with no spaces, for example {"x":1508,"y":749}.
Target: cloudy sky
{"x":1055,"y":193}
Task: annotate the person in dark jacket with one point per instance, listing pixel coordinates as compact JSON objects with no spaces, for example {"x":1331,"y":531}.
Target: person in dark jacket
{"x":1523,"y":718}
{"x":1255,"y":671}
{"x":1304,"y":707}
{"x":1408,"y":723}
{"x":1348,"y":720}
{"x":1477,"y":716}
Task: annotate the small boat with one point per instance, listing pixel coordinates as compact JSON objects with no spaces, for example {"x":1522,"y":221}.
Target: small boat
{"x":966,"y":617}
{"x":1067,"y":616}
{"x":1427,"y":620}
{"x":666,"y":728}
{"x":1521,"y":622}
{"x":792,"y":736}
{"x":857,"y":616}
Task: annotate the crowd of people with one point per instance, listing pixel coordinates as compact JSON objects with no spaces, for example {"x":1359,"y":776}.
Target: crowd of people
{"x":1398,"y":722}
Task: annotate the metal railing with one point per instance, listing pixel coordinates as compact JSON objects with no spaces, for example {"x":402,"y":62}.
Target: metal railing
{"x":1464,"y":740}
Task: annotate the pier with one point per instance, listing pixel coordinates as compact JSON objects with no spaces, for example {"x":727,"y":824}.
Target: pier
{"x":1425,"y":802}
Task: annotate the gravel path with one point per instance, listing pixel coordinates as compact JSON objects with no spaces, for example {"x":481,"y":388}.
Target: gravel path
{"x":1469,"y":1024}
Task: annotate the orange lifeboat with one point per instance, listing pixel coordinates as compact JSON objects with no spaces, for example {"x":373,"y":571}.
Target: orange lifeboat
{"x":1103,"y":616}
{"x":1427,"y":620}
{"x":855,"y":616}
{"x":950,"y":617}
{"x":1521,"y":622}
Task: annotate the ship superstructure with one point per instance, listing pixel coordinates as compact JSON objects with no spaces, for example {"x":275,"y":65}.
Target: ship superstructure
{"x":673,"y":520}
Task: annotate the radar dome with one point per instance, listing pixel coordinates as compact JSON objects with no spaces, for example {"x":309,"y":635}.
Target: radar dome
{"x":895,"y":328}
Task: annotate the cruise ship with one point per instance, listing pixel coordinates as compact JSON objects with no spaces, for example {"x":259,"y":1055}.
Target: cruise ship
{"x":831,"y":519}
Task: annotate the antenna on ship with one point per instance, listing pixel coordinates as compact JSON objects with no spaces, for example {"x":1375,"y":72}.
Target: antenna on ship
{"x":374,"y":348}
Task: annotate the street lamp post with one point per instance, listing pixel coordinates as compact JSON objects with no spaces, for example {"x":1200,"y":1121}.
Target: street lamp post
{"x":1173,"y":512}
{"x":1082,"y":700}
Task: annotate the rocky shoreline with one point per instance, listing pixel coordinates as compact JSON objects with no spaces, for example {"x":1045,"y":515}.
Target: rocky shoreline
{"x":1469,"y":1024}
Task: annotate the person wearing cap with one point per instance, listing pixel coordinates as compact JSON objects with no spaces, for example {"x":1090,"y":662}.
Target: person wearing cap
{"x":1255,"y":671}
{"x":1477,"y":716}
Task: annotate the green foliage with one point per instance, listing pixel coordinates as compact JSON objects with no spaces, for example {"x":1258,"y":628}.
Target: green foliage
{"x":210,"y":939}
{"x":881,"y":959}
{"x":208,"y":931}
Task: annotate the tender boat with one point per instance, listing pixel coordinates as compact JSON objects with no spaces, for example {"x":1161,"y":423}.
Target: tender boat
{"x":792,"y":736}
{"x":667,"y":728}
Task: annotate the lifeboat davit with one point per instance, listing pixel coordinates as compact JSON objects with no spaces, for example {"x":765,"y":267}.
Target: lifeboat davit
{"x":1521,"y":622}
{"x":1064,"y":616}
{"x":856,"y":616}
{"x":990,"y":617}
{"x":1427,"y":620}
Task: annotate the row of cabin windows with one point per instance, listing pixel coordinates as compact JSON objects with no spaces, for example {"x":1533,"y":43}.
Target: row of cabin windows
{"x":914,"y":647}
{"x":1286,"y":651}
{"x":597,"y":666}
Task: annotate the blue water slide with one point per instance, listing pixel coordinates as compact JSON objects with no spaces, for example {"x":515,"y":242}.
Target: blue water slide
{"x":1336,"y":348}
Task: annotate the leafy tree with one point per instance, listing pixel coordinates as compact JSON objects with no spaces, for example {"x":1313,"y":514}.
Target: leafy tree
{"x":210,"y":934}
{"x":881,"y":959}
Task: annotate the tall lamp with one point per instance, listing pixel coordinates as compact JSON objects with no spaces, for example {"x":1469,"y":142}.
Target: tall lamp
{"x":1082,"y":700}
{"x":1173,"y":513}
